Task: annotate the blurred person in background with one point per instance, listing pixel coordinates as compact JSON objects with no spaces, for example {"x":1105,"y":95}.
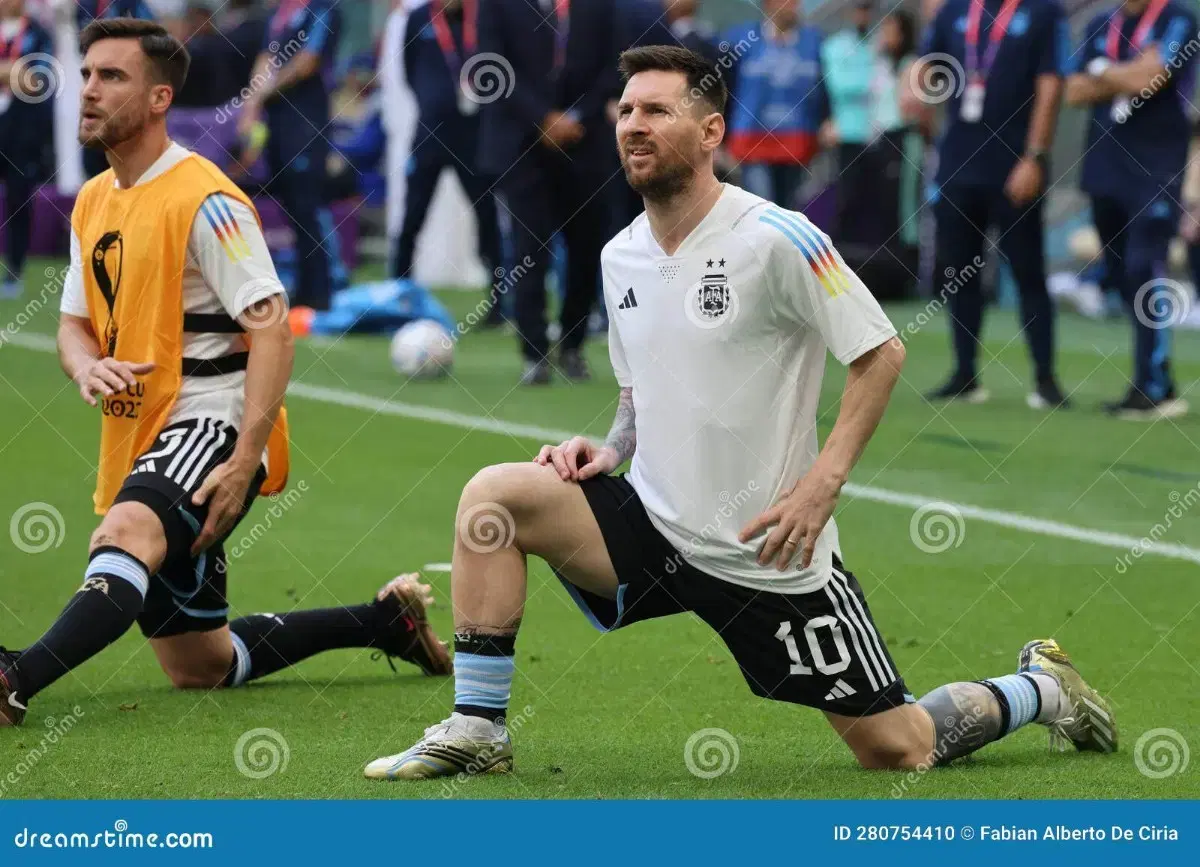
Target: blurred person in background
{"x":356,"y":160}
{"x":549,"y":142}
{"x":689,"y":31}
{"x":293,"y":100}
{"x":870,"y":135}
{"x":244,"y":27}
{"x":993,"y":167}
{"x":779,"y":102}
{"x":87,"y":11}
{"x":211,"y":80}
{"x":1189,"y":224}
{"x":27,"y":82}
{"x":440,"y":41}
{"x":849,"y":59}
{"x":1134,"y":70}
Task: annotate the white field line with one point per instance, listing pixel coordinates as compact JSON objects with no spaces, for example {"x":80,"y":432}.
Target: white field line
{"x":1012,"y":520}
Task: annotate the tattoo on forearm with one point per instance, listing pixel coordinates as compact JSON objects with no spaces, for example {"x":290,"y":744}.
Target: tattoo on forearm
{"x":623,"y":435}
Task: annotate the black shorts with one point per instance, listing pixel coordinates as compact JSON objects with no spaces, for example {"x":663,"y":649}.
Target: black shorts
{"x":188,"y":593}
{"x":819,"y":649}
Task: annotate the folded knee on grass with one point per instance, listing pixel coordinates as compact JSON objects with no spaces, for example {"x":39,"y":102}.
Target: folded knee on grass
{"x":197,"y":676}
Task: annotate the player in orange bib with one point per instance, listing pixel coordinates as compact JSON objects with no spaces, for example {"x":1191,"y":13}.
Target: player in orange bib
{"x":174,"y":324}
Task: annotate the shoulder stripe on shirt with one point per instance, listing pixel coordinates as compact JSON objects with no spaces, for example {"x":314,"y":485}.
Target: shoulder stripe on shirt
{"x":225,"y":226}
{"x":812,"y":245}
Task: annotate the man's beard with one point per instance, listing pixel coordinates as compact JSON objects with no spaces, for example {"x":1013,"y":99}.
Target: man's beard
{"x":666,"y":183}
{"x":111,"y":132}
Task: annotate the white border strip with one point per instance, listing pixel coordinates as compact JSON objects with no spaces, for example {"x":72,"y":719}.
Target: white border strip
{"x":1011,"y":520}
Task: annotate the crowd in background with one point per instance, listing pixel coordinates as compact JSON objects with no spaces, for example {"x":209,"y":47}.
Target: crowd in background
{"x":538,"y":165}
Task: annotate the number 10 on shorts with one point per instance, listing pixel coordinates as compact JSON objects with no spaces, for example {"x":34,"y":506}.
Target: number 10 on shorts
{"x":784,"y":634}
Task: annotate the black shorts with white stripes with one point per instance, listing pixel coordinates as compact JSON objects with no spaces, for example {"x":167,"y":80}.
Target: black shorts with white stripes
{"x":819,"y":649}
{"x":188,"y":593}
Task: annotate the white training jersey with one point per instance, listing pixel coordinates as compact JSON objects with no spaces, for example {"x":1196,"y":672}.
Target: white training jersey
{"x":724,"y":344}
{"x":221,"y":275}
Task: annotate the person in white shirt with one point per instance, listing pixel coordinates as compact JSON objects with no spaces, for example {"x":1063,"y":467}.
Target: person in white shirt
{"x":723,"y":306}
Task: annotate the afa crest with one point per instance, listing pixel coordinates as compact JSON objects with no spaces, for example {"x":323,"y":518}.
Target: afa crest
{"x":712,"y":302}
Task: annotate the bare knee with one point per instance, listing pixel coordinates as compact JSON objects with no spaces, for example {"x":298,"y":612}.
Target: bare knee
{"x":501,"y":503}
{"x":890,"y":756}
{"x":195,"y":660}
{"x":196,"y":677}
{"x":132,"y":527}
{"x":502,"y":485}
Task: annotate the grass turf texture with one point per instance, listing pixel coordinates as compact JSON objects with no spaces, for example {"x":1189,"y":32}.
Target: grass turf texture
{"x":611,"y":715}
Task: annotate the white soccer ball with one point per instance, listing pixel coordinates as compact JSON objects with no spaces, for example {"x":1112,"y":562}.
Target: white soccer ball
{"x":423,"y":349}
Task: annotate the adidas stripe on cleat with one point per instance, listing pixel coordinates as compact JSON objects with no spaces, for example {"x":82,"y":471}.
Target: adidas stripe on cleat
{"x":457,"y":745}
{"x":1088,"y":723}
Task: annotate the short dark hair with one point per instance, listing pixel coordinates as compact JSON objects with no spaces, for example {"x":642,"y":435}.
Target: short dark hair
{"x":166,"y":54}
{"x":704,"y":81}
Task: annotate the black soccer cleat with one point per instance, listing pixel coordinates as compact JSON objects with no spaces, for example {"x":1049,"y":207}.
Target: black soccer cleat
{"x":1138,"y":406}
{"x":12,"y":711}
{"x":959,"y":387}
{"x":403,"y":630}
{"x":535,"y":373}
{"x":1047,"y":395}
{"x":574,"y":366}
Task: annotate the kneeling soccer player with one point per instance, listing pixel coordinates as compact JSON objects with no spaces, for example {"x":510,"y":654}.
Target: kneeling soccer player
{"x":169,"y":275}
{"x":722,"y":308}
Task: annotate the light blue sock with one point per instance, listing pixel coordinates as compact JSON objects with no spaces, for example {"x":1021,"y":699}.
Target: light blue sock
{"x":483,"y":681}
{"x":1021,"y":695}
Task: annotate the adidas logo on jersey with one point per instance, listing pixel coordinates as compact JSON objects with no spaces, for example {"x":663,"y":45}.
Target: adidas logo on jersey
{"x":841,"y":689}
{"x":629,"y":301}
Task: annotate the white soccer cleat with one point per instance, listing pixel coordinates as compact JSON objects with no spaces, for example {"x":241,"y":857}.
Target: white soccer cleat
{"x":457,"y":745}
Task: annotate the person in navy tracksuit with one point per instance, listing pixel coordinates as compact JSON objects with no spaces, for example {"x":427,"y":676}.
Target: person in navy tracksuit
{"x":1002,"y":62}
{"x":439,"y":43}
{"x":547,"y":138}
{"x":289,"y":87}
{"x":1134,"y":69}
{"x":86,"y":11}
{"x":26,"y":126}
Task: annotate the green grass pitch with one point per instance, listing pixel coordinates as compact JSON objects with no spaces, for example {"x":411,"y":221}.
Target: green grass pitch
{"x":374,"y":494}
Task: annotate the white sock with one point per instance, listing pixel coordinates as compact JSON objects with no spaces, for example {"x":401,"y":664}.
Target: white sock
{"x":1051,"y":693}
